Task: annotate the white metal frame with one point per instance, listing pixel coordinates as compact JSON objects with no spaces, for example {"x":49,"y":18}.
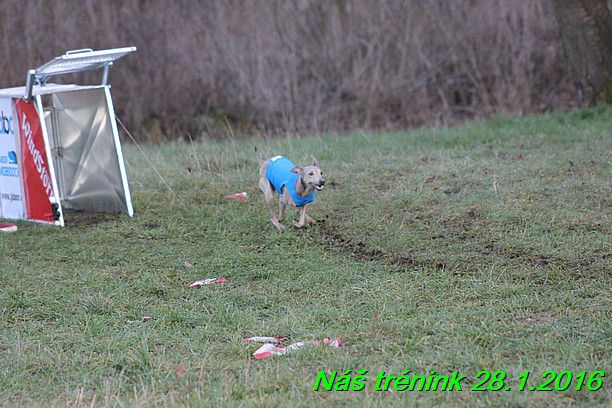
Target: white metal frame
{"x":119,"y":151}
{"x":45,"y":134}
{"x":80,"y":60}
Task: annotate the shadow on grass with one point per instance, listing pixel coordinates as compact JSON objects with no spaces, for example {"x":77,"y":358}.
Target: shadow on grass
{"x":79,"y":219}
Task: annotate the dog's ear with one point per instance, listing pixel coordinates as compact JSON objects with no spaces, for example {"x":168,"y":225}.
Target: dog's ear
{"x":297,"y":170}
{"x":314,"y":161}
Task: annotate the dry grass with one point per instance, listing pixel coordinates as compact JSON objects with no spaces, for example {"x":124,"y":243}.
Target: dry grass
{"x":205,"y":68}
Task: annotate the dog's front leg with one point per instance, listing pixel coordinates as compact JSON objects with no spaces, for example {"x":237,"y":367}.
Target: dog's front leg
{"x":282,"y":207}
{"x":310,"y":220}
{"x":303,"y":216}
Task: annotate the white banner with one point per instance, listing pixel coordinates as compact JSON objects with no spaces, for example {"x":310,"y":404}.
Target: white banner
{"x":11,"y":195}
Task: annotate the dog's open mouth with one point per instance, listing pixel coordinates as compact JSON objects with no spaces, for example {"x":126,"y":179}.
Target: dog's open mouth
{"x":317,"y":186}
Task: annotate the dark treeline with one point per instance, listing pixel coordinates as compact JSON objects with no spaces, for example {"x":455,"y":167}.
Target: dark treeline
{"x":272,"y":66}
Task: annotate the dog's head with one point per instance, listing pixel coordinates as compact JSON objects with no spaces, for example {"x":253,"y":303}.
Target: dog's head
{"x":311,"y":175}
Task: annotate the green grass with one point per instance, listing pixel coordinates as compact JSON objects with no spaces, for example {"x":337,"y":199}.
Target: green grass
{"x":483,"y":247}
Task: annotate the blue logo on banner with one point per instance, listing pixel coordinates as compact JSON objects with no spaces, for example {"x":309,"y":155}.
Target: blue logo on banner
{"x":12,"y":157}
{"x":6,"y":124}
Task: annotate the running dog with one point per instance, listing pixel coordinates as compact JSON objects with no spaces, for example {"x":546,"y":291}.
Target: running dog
{"x":295,"y":184}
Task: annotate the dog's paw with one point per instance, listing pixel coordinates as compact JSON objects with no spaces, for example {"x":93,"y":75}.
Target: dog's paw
{"x":279,"y":226}
{"x":297,"y":224}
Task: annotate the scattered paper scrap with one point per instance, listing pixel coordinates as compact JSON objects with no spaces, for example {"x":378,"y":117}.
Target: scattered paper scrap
{"x":262,"y":339}
{"x":243,"y":195}
{"x":337,"y":342}
{"x":144,"y":319}
{"x":206,"y":282}
{"x":269,"y":350}
{"x":181,"y":370}
{"x":6,"y":227}
{"x":187,"y":265}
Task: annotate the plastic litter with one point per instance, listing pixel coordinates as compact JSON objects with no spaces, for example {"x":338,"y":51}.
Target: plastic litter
{"x":242,"y":196}
{"x":262,"y":339}
{"x":206,"y":282}
{"x":181,"y":370}
{"x":269,"y":350}
{"x":5,"y":227}
{"x":144,"y":319}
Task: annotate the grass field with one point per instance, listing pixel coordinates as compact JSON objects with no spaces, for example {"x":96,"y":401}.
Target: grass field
{"x":485,"y":247}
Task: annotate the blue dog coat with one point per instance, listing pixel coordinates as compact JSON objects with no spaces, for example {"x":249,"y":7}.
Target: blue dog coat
{"x":279,"y":174}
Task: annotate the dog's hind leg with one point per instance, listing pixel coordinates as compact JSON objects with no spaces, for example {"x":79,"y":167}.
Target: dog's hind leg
{"x":266,"y":189}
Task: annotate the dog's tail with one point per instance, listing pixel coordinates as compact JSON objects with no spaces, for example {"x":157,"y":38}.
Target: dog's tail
{"x":258,"y":157}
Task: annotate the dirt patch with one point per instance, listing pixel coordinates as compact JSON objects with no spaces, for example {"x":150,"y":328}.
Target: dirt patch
{"x":334,"y":240}
{"x":536,"y":260}
{"x":82,"y":219}
{"x":360,"y":251}
{"x":357,"y":249}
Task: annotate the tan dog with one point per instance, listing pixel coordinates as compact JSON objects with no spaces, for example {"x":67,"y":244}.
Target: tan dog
{"x":295,"y":184}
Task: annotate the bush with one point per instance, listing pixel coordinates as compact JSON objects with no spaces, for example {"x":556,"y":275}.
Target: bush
{"x":212,"y":67}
